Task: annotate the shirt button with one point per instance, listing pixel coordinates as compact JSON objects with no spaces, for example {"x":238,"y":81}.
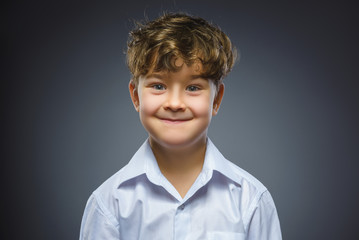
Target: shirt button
{"x":181,"y":207}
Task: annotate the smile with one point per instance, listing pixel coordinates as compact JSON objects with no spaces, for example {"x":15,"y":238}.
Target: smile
{"x":174,"y":121}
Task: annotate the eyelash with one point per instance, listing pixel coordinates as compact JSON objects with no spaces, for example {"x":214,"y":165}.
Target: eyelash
{"x":158,"y":87}
{"x":161,"y":87}
{"x":194,"y":88}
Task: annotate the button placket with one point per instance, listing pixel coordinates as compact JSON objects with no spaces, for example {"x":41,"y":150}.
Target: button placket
{"x":182,"y":222}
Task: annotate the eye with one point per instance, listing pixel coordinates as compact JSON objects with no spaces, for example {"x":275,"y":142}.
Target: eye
{"x":192,"y":88}
{"x":158,"y":87}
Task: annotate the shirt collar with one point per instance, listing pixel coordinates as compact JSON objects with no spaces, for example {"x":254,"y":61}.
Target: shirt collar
{"x":215,"y":161}
{"x":144,"y":162}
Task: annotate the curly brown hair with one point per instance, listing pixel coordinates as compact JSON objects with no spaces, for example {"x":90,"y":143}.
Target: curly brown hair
{"x":154,"y":45}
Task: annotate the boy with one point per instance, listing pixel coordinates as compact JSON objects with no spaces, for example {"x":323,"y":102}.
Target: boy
{"x":178,"y":185}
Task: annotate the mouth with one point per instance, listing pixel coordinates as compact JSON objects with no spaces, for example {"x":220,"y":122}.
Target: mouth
{"x":174,"y":121}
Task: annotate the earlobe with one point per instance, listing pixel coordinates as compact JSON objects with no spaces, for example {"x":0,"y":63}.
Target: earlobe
{"x":215,"y":110}
{"x":134,"y":94}
{"x":218,"y":99}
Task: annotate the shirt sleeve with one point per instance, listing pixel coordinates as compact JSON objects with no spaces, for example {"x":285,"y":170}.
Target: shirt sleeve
{"x":97,"y":222}
{"x":264,"y":223}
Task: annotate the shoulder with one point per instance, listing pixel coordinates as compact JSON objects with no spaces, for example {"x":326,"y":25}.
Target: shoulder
{"x":242,"y":177}
{"x":255,"y":199}
{"x":100,"y":217}
{"x":107,"y":194}
{"x":246,"y":181}
{"x":135,"y":168}
{"x":109,"y":188}
{"x":250,"y":187}
{"x":250,"y":191}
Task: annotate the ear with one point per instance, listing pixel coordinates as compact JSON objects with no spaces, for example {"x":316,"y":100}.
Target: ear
{"x":218,"y":99}
{"x":134,"y":94}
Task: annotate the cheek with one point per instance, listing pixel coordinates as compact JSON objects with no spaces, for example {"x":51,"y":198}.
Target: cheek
{"x":149,"y":104}
{"x":202,"y":107}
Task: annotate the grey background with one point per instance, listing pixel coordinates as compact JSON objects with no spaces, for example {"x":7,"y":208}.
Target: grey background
{"x":289,"y":114}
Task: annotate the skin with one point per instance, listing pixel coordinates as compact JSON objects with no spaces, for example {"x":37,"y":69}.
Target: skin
{"x":176,"y":109}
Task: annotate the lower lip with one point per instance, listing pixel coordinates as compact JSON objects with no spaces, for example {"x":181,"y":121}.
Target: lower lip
{"x":173,"y":121}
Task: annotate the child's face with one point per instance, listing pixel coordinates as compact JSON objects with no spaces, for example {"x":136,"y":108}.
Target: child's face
{"x":176,"y":107}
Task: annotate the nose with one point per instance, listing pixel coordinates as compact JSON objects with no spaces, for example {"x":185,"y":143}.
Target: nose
{"x":174,"y":102}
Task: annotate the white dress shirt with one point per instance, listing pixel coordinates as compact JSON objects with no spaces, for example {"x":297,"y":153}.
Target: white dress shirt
{"x":138,"y":202}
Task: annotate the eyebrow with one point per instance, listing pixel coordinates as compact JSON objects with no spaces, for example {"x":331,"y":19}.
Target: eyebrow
{"x":196,"y":76}
{"x":156,"y":75}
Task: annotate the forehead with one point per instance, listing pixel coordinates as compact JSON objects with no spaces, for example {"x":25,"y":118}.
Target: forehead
{"x":183,"y":71}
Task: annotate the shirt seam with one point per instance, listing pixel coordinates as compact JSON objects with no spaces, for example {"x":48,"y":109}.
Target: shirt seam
{"x":108,"y":215}
{"x":252,"y":207}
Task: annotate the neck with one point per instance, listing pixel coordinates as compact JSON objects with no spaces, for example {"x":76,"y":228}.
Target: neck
{"x":183,"y":160}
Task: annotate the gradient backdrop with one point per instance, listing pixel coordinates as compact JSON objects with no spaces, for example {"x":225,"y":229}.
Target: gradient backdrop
{"x":289,"y":115}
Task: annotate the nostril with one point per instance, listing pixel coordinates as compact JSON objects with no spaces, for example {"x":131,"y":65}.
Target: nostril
{"x":175,"y":106}
{"x":174,"y":103}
